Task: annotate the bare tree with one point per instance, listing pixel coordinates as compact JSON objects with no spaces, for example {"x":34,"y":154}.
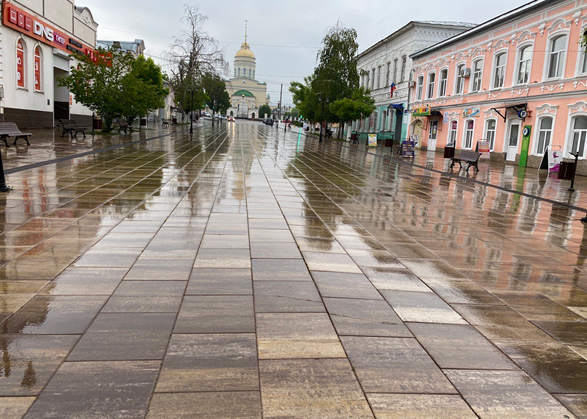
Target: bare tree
{"x":194,"y":53}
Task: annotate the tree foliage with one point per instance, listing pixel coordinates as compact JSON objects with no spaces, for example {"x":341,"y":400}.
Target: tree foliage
{"x":217,"y":98}
{"x":359,"y":106}
{"x":116,"y":85}
{"x":335,"y":78}
{"x":264,"y":109}
{"x":194,"y":54}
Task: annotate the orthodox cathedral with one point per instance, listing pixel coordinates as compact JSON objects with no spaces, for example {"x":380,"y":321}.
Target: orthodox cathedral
{"x":246,"y":93}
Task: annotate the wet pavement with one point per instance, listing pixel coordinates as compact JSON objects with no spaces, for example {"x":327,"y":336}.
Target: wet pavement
{"x":250,"y":273}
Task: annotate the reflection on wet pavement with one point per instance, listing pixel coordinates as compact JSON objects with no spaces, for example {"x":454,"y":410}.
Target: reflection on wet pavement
{"x":244,"y":273}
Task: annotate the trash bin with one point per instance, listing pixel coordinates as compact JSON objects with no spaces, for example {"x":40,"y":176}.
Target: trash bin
{"x":567,"y":170}
{"x":449,"y":152}
{"x":98,"y":124}
{"x":143,"y":122}
{"x":174,"y":120}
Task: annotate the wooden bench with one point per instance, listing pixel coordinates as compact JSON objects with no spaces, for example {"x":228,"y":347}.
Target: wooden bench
{"x":70,"y":127}
{"x":469,"y":157}
{"x":9,"y":129}
{"x":124,"y":126}
{"x":355,"y":139}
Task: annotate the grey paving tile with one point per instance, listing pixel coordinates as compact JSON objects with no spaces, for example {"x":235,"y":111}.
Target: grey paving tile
{"x":86,"y":281}
{"x":275,"y":250}
{"x":461,"y":291}
{"x":216,"y":314}
{"x":395,"y":279}
{"x":330,"y":262}
{"x":280,"y":270}
{"x":511,"y":394}
{"x":419,"y":406}
{"x":97,"y":390}
{"x":345,"y":285}
{"x":29,"y":361}
{"x":208,"y":405}
{"x":287,"y":297}
{"x":14,"y":407}
{"x":160,"y":270}
{"x":146,"y":297}
{"x":421,"y":307}
{"x":365,"y":318}
{"x":109,"y":258}
{"x":220,"y":282}
{"x":210,"y":363}
{"x":125,"y":336}
{"x":223,"y":259}
{"x":225,"y":241}
{"x":459,"y":346}
{"x":395,"y":365}
{"x":576,"y":403}
{"x":311,"y":388}
{"x":297,"y":335}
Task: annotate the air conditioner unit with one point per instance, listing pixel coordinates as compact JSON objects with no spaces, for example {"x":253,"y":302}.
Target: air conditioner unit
{"x":412,"y":84}
{"x":466,"y":73}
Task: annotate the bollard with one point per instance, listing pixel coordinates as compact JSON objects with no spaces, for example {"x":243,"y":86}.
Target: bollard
{"x":576,"y":155}
{"x":3,"y":186}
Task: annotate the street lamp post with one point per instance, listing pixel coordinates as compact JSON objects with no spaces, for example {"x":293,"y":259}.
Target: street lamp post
{"x":3,"y":186}
{"x":322,"y":117}
{"x":192,"y":112}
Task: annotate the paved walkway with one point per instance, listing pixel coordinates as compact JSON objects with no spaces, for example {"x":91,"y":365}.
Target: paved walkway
{"x":245,"y":273}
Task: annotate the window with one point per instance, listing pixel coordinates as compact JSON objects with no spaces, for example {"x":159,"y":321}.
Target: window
{"x":395,"y":71}
{"x":387,"y":81}
{"x":443,"y":83}
{"x":460,"y":84}
{"x":578,"y":135}
{"x":20,"y":64}
{"x":38,"y":69}
{"x":404,"y":63}
{"x":544,"y":135}
{"x":431,"y":84}
{"x":452,"y":135}
{"x":557,"y":57}
{"x":524,"y":65}
{"x":490,"y":128}
{"x":469,"y":131}
{"x":584,"y":63}
{"x":499,"y":73}
{"x":420,"y":88}
{"x":373,"y":80}
{"x":379,"y":77}
{"x":239,"y":72}
{"x":367,"y":83}
{"x":477,"y":75}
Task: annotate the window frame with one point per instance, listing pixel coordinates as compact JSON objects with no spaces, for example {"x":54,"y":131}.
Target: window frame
{"x":388,"y":82}
{"x":486,"y":131}
{"x":571,"y":134}
{"x":442,"y":81}
{"x":420,"y":88}
{"x":473,"y":75}
{"x":562,"y":61}
{"x":395,"y":61}
{"x":459,"y":80}
{"x":41,"y":72}
{"x":519,"y":53}
{"x":539,"y":131}
{"x":465,"y":132}
{"x":431,"y":85}
{"x":24,"y":49}
{"x":404,"y":65}
{"x":450,"y":138}
{"x":498,"y":54}
{"x":373,"y":79}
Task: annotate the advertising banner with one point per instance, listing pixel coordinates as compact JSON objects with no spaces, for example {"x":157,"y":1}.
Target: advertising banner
{"x":408,"y":149}
{"x":372,"y":140}
{"x":484,"y":149}
{"x":555,"y":157}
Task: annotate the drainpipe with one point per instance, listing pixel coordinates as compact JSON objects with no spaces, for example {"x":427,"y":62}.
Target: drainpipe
{"x":408,"y":109}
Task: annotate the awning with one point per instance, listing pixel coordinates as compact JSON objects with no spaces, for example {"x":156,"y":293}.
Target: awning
{"x":518,"y":107}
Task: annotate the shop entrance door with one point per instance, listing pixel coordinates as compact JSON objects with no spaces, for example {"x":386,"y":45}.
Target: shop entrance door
{"x":61,"y":98}
{"x":512,"y":141}
{"x":432,"y":135}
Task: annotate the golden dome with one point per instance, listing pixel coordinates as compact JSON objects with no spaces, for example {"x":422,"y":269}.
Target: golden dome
{"x":245,"y":51}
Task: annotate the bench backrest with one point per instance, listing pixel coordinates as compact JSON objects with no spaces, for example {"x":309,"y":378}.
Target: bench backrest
{"x":469,"y":155}
{"x":8,"y":128}
{"x":68,"y":122}
{"x":123,"y":123}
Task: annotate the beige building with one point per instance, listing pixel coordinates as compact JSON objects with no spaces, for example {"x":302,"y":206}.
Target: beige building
{"x":246,"y":93}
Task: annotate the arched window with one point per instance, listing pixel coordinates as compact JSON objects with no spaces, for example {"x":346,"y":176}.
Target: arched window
{"x":499,"y":72}
{"x":460,"y":83}
{"x":490,"y":128}
{"x":420,"y":88}
{"x":443,"y":83}
{"x":239,"y":72}
{"x":431,"y":84}
{"x":477,"y":76}
{"x":404,"y":64}
{"x":469,"y":131}
{"x":524,"y":65}
{"x":20,"y":64}
{"x":556,"y":57}
{"x":38,"y":69}
{"x":544,"y":135}
{"x":578,"y":135}
{"x":452,"y":135}
{"x":250,"y":73}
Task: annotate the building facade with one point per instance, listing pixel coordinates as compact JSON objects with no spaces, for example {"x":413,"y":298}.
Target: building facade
{"x":246,"y":93}
{"x":136,"y":47}
{"x":38,"y":38}
{"x":388,"y":63}
{"x":518,"y":81}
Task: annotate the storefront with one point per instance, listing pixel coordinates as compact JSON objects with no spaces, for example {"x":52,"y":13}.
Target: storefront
{"x":37,"y":44}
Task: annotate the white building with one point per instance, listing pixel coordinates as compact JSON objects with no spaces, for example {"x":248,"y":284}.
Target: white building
{"x":388,"y":62}
{"x":37,"y":39}
{"x":136,"y":47}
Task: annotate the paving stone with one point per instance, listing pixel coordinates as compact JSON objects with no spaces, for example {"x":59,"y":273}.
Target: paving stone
{"x":345,"y":285}
{"x":146,"y":297}
{"x":209,"y":405}
{"x":223,"y":259}
{"x":160,"y":270}
{"x":287,"y":297}
{"x":216,"y":314}
{"x":220,"y":282}
{"x":419,"y":406}
{"x":14,"y":407}
{"x":280,"y":270}
{"x":422,"y":307}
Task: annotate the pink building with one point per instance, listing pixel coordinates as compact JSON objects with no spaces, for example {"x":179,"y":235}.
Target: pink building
{"x":523,"y":68}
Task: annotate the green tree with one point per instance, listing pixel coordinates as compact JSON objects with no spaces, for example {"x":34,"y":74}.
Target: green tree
{"x":99,"y":85}
{"x":217,"y":98}
{"x":264,"y":110}
{"x":143,"y":89}
{"x":359,"y":106}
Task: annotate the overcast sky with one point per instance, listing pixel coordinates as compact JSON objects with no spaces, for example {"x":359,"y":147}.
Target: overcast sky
{"x":284,"y":37}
